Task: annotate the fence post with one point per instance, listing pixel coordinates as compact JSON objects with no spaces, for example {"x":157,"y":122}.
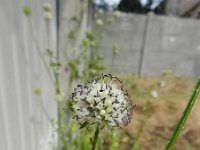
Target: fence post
{"x":143,"y":47}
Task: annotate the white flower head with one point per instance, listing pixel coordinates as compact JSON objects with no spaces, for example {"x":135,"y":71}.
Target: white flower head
{"x":102,"y":101}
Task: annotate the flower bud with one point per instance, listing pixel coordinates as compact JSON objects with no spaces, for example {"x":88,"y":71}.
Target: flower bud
{"x":27,"y":10}
{"x":47,"y":16}
{"x":47,"y":7}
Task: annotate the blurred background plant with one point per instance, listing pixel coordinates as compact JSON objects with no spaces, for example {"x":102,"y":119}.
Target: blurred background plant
{"x":84,"y":62}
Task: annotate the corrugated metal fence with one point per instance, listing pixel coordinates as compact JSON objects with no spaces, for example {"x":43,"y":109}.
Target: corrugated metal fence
{"x":23,"y":125}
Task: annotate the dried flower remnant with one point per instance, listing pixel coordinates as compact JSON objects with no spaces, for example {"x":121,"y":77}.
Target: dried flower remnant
{"x":102,"y":101}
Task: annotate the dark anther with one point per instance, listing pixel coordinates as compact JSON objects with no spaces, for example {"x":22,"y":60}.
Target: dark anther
{"x":116,"y":122}
{"x":125,"y":121}
{"x":95,"y":103}
{"x":76,"y":117}
{"x":71,"y":107}
{"x":89,"y":91}
{"x":98,"y":94}
{"x":85,"y":86}
{"x":105,"y":75}
{"x":87,"y":102}
{"x":90,"y":108}
{"x":81,"y":92}
{"x":110,"y":87}
{"x":103,"y":99}
{"x":116,"y":101}
{"x":122,"y":110}
{"x":108,"y":121}
{"x":84,"y":99}
{"x":73,"y":94}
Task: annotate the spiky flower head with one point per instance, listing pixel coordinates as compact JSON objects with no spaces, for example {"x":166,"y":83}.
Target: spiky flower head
{"x":102,"y":101}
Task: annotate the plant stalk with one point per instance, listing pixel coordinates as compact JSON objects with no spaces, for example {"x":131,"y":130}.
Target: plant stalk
{"x":95,"y":138}
{"x":184,"y":117}
{"x":39,"y":50}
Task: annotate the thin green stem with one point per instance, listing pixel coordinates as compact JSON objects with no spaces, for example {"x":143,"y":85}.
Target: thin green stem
{"x":48,"y":34}
{"x":184,"y":117}
{"x":143,"y":120}
{"x":112,"y":63}
{"x":44,"y":110}
{"x":94,"y":142}
{"x":61,"y":132}
{"x":39,"y":50}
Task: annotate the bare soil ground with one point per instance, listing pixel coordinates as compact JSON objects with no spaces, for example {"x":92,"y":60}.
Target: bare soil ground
{"x":155,"y":118}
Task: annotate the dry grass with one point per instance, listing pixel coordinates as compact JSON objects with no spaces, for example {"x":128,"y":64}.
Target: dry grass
{"x":163,"y":113}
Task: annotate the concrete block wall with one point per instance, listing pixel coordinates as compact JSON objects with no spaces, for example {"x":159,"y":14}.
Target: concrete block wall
{"x":172,"y":43}
{"x":127,"y":33}
{"x":150,"y":44}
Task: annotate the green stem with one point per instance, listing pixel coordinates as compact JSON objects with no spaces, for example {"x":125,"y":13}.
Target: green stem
{"x":40,"y":101}
{"x":143,"y":120}
{"x":112,"y":63}
{"x":48,"y":34}
{"x":39,"y":50}
{"x":184,"y":117}
{"x":95,"y":138}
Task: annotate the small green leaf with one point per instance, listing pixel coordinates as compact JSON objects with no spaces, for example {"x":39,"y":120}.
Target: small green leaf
{"x":90,"y":36}
{"x":55,"y":64}
{"x":72,"y":35}
{"x":110,"y":21}
{"x":38,"y":91}
{"x":115,"y":49}
{"x":49,"y":52}
{"x":86,"y":42}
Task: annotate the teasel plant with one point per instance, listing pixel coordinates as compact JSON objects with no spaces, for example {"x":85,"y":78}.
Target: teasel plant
{"x":79,"y":67}
{"x":102,"y":102}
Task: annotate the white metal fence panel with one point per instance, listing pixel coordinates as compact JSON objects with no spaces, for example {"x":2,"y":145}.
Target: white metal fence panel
{"x":23,"y":124}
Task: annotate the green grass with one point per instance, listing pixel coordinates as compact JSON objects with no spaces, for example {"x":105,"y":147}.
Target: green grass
{"x":184,"y":117}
